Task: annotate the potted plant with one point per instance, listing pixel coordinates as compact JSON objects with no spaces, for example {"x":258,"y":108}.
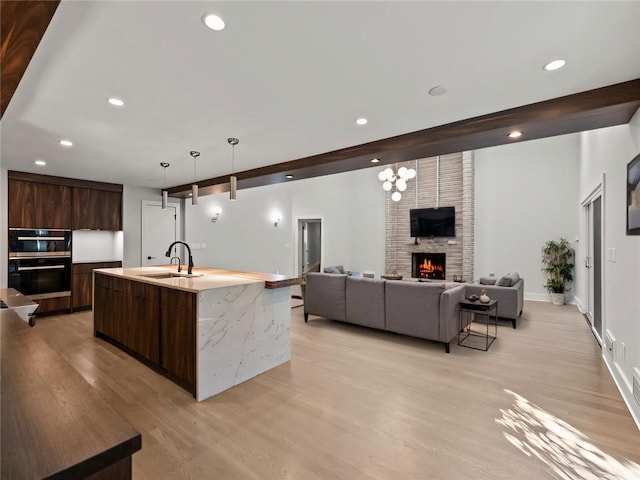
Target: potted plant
{"x":557,"y":258}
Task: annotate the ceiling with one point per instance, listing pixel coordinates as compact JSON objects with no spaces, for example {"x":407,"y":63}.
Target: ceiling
{"x":289,"y":79}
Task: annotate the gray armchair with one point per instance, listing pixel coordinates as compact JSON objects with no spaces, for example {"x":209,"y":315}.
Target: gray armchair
{"x":510,"y":298}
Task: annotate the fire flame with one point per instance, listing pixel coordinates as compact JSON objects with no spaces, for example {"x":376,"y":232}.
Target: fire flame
{"x":427,"y":267}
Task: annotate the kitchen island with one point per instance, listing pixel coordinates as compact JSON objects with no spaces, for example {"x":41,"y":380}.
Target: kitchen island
{"x":207,"y":331}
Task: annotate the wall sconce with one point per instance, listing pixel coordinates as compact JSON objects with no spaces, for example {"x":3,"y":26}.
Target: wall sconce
{"x":216,"y":213}
{"x":276,"y":220}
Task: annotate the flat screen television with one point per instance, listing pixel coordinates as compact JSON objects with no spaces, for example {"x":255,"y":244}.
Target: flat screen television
{"x":433,"y":222}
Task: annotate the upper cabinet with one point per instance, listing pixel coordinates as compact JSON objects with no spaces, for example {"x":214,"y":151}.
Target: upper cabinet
{"x":42,"y":201}
{"x":96,"y":209}
{"x":39,"y":205}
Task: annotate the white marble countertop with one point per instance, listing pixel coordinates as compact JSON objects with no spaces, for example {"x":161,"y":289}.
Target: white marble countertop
{"x":202,"y":278}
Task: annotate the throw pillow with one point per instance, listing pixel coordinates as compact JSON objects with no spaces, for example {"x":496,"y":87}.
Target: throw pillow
{"x":509,"y":280}
{"x":514,"y":278}
{"x":331,"y":270}
{"x":488,"y":280}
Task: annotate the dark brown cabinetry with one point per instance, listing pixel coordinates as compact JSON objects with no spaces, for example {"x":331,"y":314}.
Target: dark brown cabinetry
{"x":43,"y":201}
{"x":39,"y":205}
{"x":47,"y":202}
{"x":153,"y":322}
{"x":49,"y":305}
{"x":128,"y":312}
{"x":96,"y":209}
{"x":82,"y":282}
{"x":177,"y":327}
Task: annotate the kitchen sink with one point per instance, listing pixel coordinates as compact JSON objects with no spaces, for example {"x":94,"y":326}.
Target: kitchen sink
{"x":161,"y":275}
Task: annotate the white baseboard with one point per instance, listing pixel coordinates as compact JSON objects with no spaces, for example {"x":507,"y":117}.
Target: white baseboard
{"x":578,"y":302}
{"x":544,"y":297}
{"x":624,"y":388}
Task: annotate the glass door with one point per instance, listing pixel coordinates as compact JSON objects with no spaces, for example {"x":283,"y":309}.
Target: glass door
{"x":593,"y":262}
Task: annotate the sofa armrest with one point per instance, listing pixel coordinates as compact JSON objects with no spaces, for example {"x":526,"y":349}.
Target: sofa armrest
{"x":450,"y":312}
{"x":325,"y":295}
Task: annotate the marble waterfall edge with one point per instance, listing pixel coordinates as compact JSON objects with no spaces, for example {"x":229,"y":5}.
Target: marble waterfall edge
{"x":243,"y":330}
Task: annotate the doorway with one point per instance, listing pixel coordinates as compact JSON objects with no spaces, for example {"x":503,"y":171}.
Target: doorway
{"x":592,"y":211}
{"x":310,"y":245}
{"x":160,"y":228}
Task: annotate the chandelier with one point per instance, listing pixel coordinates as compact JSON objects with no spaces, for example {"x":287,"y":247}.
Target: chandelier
{"x":396,"y":181}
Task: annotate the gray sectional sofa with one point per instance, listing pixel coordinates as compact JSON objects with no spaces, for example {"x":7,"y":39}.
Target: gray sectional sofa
{"x":423,"y":310}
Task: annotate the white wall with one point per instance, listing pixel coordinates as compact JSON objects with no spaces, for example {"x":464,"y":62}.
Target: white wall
{"x":132,"y":222}
{"x":608,"y":151}
{"x":525,"y":194}
{"x":351,"y":206}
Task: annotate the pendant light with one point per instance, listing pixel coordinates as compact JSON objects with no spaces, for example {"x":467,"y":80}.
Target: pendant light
{"x":165,"y":194}
{"x":194,"y":186}
{"x":233,"y":181}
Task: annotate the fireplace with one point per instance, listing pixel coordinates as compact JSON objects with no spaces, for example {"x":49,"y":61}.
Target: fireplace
{"x":429,"y":265}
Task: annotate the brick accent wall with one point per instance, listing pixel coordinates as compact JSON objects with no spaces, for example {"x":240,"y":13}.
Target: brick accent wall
{"x":455,"y":189}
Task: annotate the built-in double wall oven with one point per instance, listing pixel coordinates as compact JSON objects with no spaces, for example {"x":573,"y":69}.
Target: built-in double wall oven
{"x":39,"y":260}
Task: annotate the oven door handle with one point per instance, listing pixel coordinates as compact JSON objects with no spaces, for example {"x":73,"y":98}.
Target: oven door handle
{"x":49,"y":267}
{"x":41,"y":238}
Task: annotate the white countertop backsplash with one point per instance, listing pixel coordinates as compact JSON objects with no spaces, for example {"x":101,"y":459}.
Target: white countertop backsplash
{"x":96,"y":246}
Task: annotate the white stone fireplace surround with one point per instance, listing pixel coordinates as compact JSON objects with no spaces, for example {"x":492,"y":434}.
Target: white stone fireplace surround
{"x":455,"y":188}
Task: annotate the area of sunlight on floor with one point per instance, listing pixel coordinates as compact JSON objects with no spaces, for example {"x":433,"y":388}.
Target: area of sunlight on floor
{"x":565,"y":450}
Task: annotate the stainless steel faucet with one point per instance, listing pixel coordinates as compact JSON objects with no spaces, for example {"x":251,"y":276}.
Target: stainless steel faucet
{"x":179,"y":263}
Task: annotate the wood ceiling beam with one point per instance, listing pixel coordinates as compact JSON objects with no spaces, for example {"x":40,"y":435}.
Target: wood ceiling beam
{"x":22,"y":26}
{"x":599,"y":108}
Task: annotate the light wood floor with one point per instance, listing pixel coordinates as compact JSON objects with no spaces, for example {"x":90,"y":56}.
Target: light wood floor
{"x":354,"y":403}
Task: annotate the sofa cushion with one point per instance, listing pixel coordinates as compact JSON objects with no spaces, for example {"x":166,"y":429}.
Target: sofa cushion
{"x":413,"y":308}
{"x":509,"y":280}
{"x":365,"y":302}
{"x":488,"y":280}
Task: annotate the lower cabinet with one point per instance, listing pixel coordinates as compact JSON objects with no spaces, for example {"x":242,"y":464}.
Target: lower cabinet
{"x":82,"y":282}
{"x":50,"y":305}
{"x":154,"y":322}
{"x":178,"y":337}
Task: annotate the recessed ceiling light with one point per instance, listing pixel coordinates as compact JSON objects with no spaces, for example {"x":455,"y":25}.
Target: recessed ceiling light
{"x":554,"y":65}
{"x":289,"y":176}
{"x":362,"y":121}
{"x":515,"y":134}
{"x":437,"y":91}
{"x":66,"y":143}
{"x":214,"y":22}
{"x":40,"y":163}
{"x":115,"y":101}
{"x":375,"y":160}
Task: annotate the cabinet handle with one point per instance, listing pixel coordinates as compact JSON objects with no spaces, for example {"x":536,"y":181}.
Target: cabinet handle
{"x":150,"y":258}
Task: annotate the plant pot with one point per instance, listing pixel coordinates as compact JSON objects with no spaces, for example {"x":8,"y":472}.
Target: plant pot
{"x":484,"y":299}
{"x":557,"y":298}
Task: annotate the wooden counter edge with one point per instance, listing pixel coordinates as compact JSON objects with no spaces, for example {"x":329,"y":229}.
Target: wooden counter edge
{"x":112,"y":462}
{"x":271,"y":281}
